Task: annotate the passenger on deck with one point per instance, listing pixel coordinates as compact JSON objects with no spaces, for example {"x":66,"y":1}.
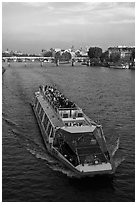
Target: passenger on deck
{"x":46,"y":87}
{"x":57,"y":98}
{"x":40,"y":87}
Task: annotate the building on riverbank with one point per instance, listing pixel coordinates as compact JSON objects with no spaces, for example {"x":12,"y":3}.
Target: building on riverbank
{"x":124,"y":52}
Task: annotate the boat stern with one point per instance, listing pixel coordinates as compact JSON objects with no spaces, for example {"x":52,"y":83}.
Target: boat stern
{"x":104,"y":168}
{"x":85,"y":148}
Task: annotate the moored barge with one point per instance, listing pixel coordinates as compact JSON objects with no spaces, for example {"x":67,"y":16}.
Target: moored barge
{"x":69,"y":135}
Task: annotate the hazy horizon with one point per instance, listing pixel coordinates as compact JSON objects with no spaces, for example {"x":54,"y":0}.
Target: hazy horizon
{"x":33,"y":26}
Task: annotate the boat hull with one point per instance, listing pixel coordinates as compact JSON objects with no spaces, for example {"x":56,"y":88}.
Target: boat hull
{"x":53,"y":151}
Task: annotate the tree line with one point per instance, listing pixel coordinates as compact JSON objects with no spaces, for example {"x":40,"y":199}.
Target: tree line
{"x":95,"y":55}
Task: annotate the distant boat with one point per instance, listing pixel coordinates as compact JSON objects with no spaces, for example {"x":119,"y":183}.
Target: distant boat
{"x":120,"y":66}
{"x":69,"y":135}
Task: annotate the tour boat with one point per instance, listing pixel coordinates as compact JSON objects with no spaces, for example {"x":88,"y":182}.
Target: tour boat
{"x":69,"y":135}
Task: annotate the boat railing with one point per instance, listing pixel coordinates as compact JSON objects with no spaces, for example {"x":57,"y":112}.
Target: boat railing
{"x":51,"y":102}
{"x":60,"y":109}
{"x":64,"y":112}
{"x":71,"y":112}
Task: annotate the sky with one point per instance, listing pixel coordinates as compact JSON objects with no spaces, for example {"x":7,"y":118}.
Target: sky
{"x":33,"y":26}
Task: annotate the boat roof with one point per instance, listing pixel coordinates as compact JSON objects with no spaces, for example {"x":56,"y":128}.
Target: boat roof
{"x":79,"y":129}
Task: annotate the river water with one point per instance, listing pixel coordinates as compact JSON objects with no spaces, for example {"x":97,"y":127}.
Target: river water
{"x":29,"y":173}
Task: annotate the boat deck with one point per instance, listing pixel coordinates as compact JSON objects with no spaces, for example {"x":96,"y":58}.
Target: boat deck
{"x":60,"y":110}
{"x":95,"y":168}
{"x":55,"y":119}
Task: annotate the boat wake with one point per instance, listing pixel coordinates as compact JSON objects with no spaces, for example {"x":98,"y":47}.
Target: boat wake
{"x":51,"y":162}
{"x":118,"y":161}
{"x":39,"y":151}
{"x":8,"y":121}
{"x":54,"y":164}
{"x":114,"y":149}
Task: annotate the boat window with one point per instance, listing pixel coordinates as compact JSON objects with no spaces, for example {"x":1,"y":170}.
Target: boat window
{"x":45,"y":122}
{"x":60,"y":113}
{"x":73,"y":113}
{"x":74,"y":124}
{"x":51,"y":132}
{"x":41,"y":114}
{"x":80,"y":114}
{"x":49,"y":128}
{"x":86,"y":139}
{"x":65,"y":115}
{"x":38,"y":108}
{"x":36,"y":101}
{"x":80,"y":124}
{"x":93,"y":141}
{"x":66,"y":124}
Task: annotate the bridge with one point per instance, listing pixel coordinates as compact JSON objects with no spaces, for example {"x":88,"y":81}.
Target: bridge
{"x":42,"y":59}
{"x":26,"y":58}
